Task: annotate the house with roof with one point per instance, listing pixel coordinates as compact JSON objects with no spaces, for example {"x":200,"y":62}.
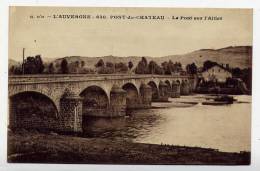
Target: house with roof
{"x":216,"y":73}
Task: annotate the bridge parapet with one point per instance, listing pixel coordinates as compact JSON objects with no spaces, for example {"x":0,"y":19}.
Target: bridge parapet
{"x":85,"y":77}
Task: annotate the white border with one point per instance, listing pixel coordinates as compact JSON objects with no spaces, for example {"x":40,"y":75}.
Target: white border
{"x":4,"y":4}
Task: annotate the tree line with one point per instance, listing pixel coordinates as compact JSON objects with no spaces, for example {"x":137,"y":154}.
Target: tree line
{"x":143,"y":67}
{"x":35,"y":65}
{"x":31,"y":65}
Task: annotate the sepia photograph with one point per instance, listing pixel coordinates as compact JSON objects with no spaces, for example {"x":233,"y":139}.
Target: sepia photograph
{"x":129,"y":85}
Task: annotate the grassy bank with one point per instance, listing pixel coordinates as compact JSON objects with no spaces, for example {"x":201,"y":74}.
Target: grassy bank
{"x":35,"y":147}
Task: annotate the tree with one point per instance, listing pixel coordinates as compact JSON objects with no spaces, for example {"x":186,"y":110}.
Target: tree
{"x":39,"y":64}
{"x":166,"y":68}
{"x":144,"y":61}
{"x":33,"y":65}
{"x":121,"y":67}
{"x":171,"y":66}
{"x":29,"y":65}
{"x":154,"y":68}
{"x":77,"y":64}
{"x":130,"y":65}
{"x":105,"y":70}
{"x":18,"y":70}
{"x":82,"y":64}
{"x":100,"y":63}
{"x":142,"y":67}
{"x":192,"y":68}
{"x":236,"y":72}
{"x":111,"y":67}
{"x":15,"y":70}
{"x":51,"y":68}
{"x":64,"y":66}
{"x":178,"y":66}
{"x":109,"y":64}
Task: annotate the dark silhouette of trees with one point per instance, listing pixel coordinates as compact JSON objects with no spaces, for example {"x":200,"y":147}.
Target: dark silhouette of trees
{"x":178,"y":67}
{"x":33,"y":65}
{"x":30,"y":65}
{"x":154,"y":68}
{"x":51,"y":68}
{"x":144,"y":61}
{"x":105,"y":70}
{"x":109,"y":64}
{"x":130,"y":65}
{"x":100,"y":63}
{"x":39,"y":63}
{"x":121,"y":67}
{"x":15,"y":70}
{"x":152,"y":65}
{"x":77,"y":64}
{"x":165,"y":67}
{"x":236,"y":72}
{"x":110,"y":67}
{"x":170,"y":67}
{"x":82,"y":63}
{"x":192,"y":68}
{"x":64,"y":66}
{"x":246,"y":76}
{"x":142,"y":67}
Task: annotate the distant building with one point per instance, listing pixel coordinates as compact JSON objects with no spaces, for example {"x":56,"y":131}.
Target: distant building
{"x":216,"y":73}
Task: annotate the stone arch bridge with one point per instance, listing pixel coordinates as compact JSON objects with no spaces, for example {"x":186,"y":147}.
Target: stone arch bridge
{"x":60,"y":102}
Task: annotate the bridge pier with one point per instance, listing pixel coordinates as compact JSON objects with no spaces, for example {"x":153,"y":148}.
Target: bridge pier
{"x":163,"y":92}
{"x":71,"y":113}
{"x":194,"y":83}
{"x":117,"y":102}
{"x":145,"y":96}
{"x":190,"y":86}
{"x":185,"y":88}
{"x":175,"y":90}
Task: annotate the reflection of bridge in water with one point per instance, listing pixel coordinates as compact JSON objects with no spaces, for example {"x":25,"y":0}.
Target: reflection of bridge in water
{"x":60,"y":102}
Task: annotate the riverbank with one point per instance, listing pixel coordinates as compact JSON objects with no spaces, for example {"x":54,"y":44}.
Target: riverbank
{"x":35,"y":147}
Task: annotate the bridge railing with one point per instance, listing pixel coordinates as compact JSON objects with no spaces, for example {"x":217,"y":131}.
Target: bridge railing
{"x":84,"y":77}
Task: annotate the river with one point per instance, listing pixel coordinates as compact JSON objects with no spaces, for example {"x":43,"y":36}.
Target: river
{"x":179,"y":122}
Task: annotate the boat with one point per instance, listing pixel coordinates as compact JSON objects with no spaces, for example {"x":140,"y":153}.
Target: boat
{"x":225,"y":98}
{"x":220,"y":100}
{"x":215,"y":103}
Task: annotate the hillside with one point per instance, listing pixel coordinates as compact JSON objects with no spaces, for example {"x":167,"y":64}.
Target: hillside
{"x":235,"y":56}
{"x":12,"y":62}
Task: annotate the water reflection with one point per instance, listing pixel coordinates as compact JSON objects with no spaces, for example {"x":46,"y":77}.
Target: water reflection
{"x":226,"y":128}
{"x":137,"y":124}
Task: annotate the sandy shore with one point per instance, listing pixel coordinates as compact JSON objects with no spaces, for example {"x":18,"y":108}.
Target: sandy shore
{"x":34,"y":147}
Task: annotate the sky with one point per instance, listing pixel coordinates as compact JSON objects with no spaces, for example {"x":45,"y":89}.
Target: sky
{"x":53,"y":38}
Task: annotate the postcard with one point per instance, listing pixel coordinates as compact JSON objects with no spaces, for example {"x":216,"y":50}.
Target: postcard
{"x":121,"y":85}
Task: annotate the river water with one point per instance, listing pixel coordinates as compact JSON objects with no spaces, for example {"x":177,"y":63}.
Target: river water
{"x":180,"y":122}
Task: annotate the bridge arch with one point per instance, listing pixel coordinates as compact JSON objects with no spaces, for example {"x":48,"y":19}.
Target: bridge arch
{"x":95,"y":101}
{"x":32,"y":109}
{"x":132,"y":95}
